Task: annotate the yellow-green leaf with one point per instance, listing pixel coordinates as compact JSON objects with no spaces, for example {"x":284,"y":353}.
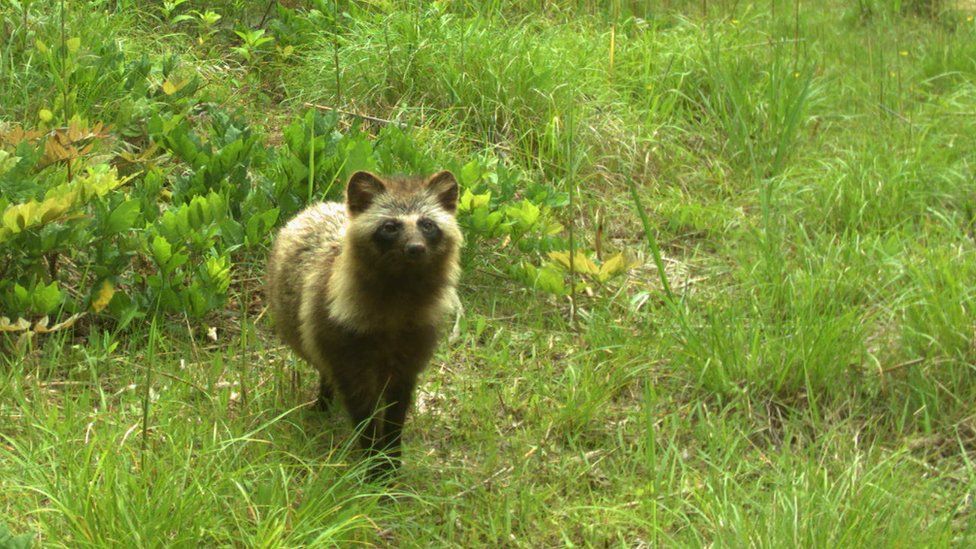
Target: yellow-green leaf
{"x":581,"y":263}
{"x":170,"y":87}
{"x":73,"y":44}
{"x":480,"y":200}
{"x":470,"y":201}
{"x":21,"y":216}
{"x":56,"y":206}
{"x":103,"y":296}
{"x":615,"y":265}
{"x":554,"y":228}
{"x":9,"y":218}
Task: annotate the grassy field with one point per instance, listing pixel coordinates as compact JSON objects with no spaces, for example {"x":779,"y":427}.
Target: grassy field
{"x":787,"y":360}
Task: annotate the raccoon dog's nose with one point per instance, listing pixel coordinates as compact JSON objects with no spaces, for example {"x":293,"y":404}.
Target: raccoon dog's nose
{"x":415,"y":249}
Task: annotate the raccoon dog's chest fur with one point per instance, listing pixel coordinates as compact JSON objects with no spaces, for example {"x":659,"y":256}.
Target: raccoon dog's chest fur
{"x":358,"y":291}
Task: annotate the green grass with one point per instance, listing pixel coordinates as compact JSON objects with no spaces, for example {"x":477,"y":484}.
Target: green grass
{"x":809,"y":185}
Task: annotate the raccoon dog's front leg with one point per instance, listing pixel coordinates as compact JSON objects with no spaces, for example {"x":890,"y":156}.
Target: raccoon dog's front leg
{"x":381,"y":409}
{"x":397,"y":398}
{"x":361,"y":397}
{"x":325,"y":394}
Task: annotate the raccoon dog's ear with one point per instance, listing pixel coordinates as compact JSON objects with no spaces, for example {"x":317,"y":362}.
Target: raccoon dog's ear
{"x":362,"y":189}
{"x":444,"y":186}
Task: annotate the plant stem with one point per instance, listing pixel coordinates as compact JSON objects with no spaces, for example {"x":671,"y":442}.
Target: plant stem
{"x":335,"y":54}
{"x":64,"y":80}
{"x":146,"y":393}
{"x":571,"y":158}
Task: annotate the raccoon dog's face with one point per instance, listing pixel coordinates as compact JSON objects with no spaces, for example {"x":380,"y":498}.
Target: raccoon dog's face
{"x":403,"y":221}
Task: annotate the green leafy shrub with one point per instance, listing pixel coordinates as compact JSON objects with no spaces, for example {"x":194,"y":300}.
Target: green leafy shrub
{"x":152,"y":212}
{"x":85,"y":240}
{"x":134,"y":193}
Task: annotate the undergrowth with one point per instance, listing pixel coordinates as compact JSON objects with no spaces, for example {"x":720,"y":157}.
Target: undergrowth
{"x":717,"y":282}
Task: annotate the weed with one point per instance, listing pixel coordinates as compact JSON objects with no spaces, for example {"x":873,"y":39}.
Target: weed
{"x":717,"y":279}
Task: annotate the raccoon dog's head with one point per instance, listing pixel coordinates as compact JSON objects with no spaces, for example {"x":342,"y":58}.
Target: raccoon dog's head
{"x":403,"y":221}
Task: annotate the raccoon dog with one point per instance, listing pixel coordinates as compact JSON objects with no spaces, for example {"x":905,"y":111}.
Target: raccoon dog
{"x":359,"y":290}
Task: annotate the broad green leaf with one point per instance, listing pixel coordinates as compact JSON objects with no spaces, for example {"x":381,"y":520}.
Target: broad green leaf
{"x":175,"y":262}
{"x":162,"y":250}
{"x":258,"y":226}
{"x":359,"y":156}
{"x":470,"y":173}
{"x":198,"y":213}
{"x":550,"y":280}
{"x":170,"y":300}
{"x":46,"y":298}
{"x":217,"y":270}
{"x":485,"y":221}
{"x":525,"y":214}
{"x":196,"y":301}
{"x":22,"y":297}
{"x":122,"y":217}
{"x":124,"y":310}
{"x":530,"y":212}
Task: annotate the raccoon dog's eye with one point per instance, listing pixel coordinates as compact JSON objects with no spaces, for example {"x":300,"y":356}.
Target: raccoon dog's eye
{"x":390,"y":227}
{"x":427,"y":226}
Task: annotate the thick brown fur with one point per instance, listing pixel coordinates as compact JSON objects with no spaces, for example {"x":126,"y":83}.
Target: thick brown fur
{"x":362,"y":300}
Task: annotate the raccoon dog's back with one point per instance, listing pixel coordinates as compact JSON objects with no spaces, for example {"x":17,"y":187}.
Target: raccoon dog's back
{"x":303,"y":254}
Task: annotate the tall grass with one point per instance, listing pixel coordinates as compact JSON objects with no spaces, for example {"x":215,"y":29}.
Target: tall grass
{"x":203,"y":471}
{"x":789,"y":362}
